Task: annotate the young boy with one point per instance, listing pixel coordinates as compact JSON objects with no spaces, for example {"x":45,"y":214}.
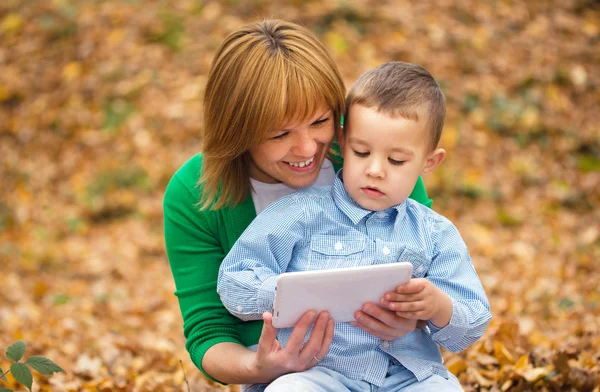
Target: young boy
{"x":394,"y":119}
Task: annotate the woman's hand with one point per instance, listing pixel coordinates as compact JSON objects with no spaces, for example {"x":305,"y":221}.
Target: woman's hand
{"x":272,"y":361}
{"x":383,"y":323}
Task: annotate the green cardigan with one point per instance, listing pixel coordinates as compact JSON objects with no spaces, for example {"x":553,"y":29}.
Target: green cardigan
{"x":197,"y":242}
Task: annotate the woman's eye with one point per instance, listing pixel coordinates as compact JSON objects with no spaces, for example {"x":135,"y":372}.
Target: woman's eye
{"x":320,"y":122}
{"x":361,"y":154}
{"x":280,"y":137}
{"x":395,"y":162}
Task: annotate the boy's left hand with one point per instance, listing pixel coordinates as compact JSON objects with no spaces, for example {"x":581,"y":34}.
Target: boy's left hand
{"x":420,"y":299}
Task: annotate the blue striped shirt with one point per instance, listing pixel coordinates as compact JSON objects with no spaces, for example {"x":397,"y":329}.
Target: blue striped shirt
{"x":303,"y":231}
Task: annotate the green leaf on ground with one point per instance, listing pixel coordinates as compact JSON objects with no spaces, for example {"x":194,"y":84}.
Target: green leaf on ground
{"x":43,"y":365}
{"x":22,"y":374}
{"x":16,"y":350}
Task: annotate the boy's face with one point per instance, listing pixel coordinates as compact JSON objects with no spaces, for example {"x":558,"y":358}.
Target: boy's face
{"x":384,"y":157}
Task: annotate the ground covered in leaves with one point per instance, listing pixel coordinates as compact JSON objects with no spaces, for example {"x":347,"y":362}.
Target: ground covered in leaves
{"x":100,"y":102}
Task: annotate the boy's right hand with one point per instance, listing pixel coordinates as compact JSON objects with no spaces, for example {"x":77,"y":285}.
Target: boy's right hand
{"x":272,"y":361}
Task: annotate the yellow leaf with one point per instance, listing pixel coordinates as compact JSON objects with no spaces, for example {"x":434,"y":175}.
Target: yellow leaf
{"x":115,"y":37}
{"x":482,"y":381}
{"x":449,"y":136}
{"x":72,"y":70}
{"x":506,"y":386}
{"x":503,"y":355}
{"x":11,"y":23}
{"x":472,"y":177}
{"x":578,"y":75}
{"x":590,"y":28}
{"x":522,"y":363}
{"x":536,"y":373}
{"x":4,"y":93}
{"x":337,"y":42}
{"x":457,"y":366}
{"x":480,"y":39}
{"x":530,"y":117}
{"x":485,"y":359}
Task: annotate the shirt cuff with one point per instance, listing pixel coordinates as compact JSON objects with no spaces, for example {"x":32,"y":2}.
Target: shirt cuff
{"x":456,"y":328}
{"x":266,"y":294}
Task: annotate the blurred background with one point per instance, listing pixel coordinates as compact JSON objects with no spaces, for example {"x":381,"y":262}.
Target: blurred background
{"x":101,"y":101}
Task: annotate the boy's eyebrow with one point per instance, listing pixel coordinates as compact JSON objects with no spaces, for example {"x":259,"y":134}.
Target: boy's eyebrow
{"x":403,"y":150}
{"x":394,"y":149}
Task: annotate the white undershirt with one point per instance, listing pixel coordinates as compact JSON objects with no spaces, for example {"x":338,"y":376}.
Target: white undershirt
{"x":264,"y":194}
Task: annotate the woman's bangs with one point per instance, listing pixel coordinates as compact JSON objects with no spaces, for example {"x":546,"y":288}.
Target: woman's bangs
{"x":305,"y":96}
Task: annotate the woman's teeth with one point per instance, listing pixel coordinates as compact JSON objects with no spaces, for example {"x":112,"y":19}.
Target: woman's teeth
{"x":301,"y":164}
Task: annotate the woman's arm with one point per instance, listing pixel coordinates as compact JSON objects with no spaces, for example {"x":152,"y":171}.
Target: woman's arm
{"x":213,"y":338}
{"x":194,"y":257}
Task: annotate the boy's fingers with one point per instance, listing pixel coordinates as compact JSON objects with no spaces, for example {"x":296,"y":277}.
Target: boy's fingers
{"x":407,"y":306}
{"x":395,"y":297}
{"x":299,"y":333}
{"x":413,"y":287}
{"x":370,"y":331}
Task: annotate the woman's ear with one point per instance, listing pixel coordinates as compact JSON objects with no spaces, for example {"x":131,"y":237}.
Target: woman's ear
{"x":433,"y":160}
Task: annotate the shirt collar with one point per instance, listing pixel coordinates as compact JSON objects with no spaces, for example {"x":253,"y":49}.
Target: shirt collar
{"x":355,"y":212}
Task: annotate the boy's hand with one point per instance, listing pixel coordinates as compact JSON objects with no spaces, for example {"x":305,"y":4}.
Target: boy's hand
{"x":420,"y":299}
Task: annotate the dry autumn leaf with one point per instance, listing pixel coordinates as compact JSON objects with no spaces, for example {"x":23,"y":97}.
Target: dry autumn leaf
{"x":101,"y":102}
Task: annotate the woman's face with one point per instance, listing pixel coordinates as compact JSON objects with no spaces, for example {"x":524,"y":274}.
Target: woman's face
{"x":294,"y":154}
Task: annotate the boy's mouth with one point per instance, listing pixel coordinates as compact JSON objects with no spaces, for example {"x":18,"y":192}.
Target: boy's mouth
{"x":372,"y":191}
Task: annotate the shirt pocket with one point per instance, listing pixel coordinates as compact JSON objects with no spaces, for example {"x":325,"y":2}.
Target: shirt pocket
{"x":335,"y":252}
{"x":419,"y":261}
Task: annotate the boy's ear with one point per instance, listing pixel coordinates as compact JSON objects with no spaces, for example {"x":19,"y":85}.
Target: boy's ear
{"x":433,"y":160}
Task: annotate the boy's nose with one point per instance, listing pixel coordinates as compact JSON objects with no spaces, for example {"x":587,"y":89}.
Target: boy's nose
{"x":375,"y":170}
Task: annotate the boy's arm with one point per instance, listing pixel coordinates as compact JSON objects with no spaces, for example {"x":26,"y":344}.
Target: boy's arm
{"x":248,"y":274}
{"x":452,"y":272}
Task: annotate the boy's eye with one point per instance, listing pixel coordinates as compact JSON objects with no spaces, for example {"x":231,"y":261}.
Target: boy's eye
{"x":395,"y":162}
{"x":361,"y":154}
{"x":280,"y":137}
{"x":320,"y":122}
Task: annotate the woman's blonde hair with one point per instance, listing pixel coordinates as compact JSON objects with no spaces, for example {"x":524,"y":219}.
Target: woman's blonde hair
{"x":263,"y":75}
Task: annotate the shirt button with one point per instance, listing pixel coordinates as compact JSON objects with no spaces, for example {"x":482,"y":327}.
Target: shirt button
{"x":381,"y":214}
{"x":239,"y":308}
{"x":385,"y":344}
{"x":338,"y":246}
{"x":419,"y":269}
{"x":385,"y":250}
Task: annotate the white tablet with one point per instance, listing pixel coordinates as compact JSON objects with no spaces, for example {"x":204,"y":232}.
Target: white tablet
{"x":340,"y":291}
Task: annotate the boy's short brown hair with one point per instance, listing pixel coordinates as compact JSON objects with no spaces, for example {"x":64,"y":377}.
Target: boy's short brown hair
{"x":400,"y":89}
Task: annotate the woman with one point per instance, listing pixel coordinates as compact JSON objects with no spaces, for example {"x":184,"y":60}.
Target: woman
{"x":272,"y":106}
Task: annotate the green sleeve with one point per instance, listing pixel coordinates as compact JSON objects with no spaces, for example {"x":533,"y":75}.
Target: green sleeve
{"x":195,"y":255}
{"x":418,"y":194}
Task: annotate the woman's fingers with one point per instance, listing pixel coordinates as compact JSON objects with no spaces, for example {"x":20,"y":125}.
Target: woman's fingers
{"x":313,"y":345}
{"x":268,"y":335}
{"x":299,"y":333}
{"x":325,"y":342}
